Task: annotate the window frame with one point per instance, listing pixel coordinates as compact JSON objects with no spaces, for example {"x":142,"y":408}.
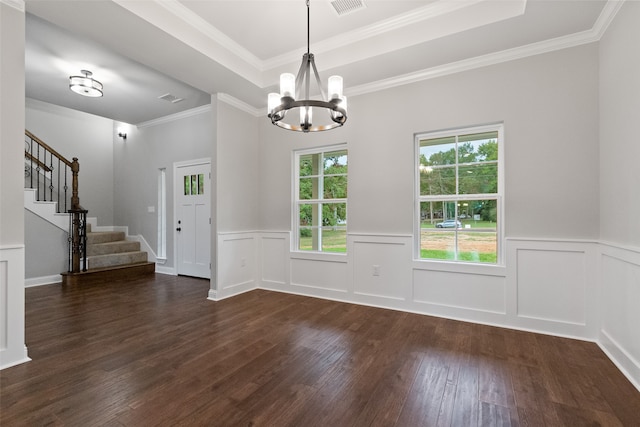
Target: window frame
{"x":296,"y":201}
{"x":498,"y":196}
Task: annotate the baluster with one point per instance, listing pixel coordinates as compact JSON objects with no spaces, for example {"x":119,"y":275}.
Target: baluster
{"x":31,"y":160}
{"x":83,"y":239}
{"x":51,"y":186}
{"x":66,"y":187}
{"x":38,"y":175}
{"x":65,"y":208}
{"x":78,"y":240}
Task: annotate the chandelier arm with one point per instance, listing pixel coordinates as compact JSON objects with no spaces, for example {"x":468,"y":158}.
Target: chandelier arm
{"x":309,"y":56}
{"x":315,"y":71}
{"x":307,"y":77}
{"x":300,"y":75}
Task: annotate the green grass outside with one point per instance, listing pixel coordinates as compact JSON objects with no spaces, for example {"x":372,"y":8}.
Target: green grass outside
{"x":491,"y":257}
{"x":336,"y":242}
{"x":332,"y":241}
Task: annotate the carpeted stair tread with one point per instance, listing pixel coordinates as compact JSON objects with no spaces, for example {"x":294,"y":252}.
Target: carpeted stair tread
{"x":104,"y":237}
{"x":110,"y":260}
{"x":113,"y":247}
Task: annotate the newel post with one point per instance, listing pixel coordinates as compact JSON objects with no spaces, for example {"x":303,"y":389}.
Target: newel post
{"x":77,"y":226}
{"x":75,"y":199}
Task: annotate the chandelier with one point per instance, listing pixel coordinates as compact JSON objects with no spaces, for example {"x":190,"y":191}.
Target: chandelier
{"x":85,"y":85}
{"x":291,"y":89}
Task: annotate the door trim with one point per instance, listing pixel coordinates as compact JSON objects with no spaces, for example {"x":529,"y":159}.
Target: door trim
{"x":176,"y":189}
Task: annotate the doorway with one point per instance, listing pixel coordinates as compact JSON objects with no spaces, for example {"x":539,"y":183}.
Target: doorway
{"x":192,"y":219}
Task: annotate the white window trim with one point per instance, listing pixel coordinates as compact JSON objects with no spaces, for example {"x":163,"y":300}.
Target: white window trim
{"x":295,"y":192}
{"x":499,"y":196}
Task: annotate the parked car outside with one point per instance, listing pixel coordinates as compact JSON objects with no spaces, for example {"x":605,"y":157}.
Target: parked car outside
{"x":449,"y":223}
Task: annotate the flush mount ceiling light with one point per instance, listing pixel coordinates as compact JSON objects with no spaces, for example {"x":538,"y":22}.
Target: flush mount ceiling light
{"x":85,"y":85}
{"x":291,"y":89}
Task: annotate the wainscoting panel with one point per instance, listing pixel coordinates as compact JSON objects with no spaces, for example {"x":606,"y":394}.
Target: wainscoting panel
{"x":381,"y":266}
{"x":236,"y":263}
{"x":552,"y":286}
{"x":479,"y":293}
{"x":620,"y":306}
{"x":319,"y":276}
{"x":12,"y":336}
{"x":274,"y":250}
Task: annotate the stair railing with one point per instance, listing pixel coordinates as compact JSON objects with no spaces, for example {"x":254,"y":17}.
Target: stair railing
{"x":52,"y":173}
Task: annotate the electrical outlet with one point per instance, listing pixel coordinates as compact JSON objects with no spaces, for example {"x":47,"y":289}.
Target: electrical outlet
{"x":375,"y":270}
{"x":243,"y":262}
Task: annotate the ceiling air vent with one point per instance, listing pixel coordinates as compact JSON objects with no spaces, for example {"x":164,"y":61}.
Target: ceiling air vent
{"x":170,"y":98}
{"x":343,"y":7}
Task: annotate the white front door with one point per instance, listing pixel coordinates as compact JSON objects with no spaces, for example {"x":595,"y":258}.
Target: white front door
{"x":193,"y":219}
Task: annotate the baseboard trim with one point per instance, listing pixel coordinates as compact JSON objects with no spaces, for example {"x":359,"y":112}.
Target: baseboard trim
{"x":171,"y":271}
{"x":20,"y":361}
{"x":619,"y":356}
{"x":44,"y":280}
{"x":213,"y":294}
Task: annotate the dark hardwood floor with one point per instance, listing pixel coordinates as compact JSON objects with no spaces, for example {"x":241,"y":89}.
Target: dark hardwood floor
{"x":154,"y":351}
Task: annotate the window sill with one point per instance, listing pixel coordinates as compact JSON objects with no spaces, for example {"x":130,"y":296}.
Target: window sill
{"x":460,"y":267}
{"x":319,"y":256}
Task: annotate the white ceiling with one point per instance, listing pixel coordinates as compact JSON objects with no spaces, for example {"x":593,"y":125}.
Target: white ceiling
{"x":141,"y":50}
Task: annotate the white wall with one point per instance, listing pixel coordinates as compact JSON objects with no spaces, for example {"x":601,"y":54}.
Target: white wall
{"x":85,"y":136}
{"x":620,"y":190}
{"x":238,"y":169}
{"x":12,"y":340}
{"x":237,"y":209}
{"x":46,"y":250}
{"x":549,"y":106}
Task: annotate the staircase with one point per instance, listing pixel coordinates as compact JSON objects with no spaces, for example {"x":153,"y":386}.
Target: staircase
{"x":110,"y":256}
{"x":51,"y":192}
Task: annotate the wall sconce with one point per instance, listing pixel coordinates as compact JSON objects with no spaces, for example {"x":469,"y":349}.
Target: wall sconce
{"x":122,"y":132}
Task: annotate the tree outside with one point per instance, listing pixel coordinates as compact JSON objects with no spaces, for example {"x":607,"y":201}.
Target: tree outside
{"x":454,"y":168}
{"x":323,"y":219}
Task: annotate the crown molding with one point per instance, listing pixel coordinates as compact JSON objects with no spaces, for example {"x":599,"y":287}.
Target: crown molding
{"x":227,"y":99}
{"x":16,"y":4}
{"x":477,"y":62}
{"x":428,"y":12}
{"x":609,"y":12}
{"x":584,"y":37}
{"x":210,"y":31}
{"x":431,"y":11}
{"x":240,"y":105}
{"x":177,"y":116}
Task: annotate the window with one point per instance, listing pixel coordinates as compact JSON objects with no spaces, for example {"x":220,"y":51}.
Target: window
{"x":320,"y":222}
{"x":162,"y":214}
{"x":459,"y":193}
